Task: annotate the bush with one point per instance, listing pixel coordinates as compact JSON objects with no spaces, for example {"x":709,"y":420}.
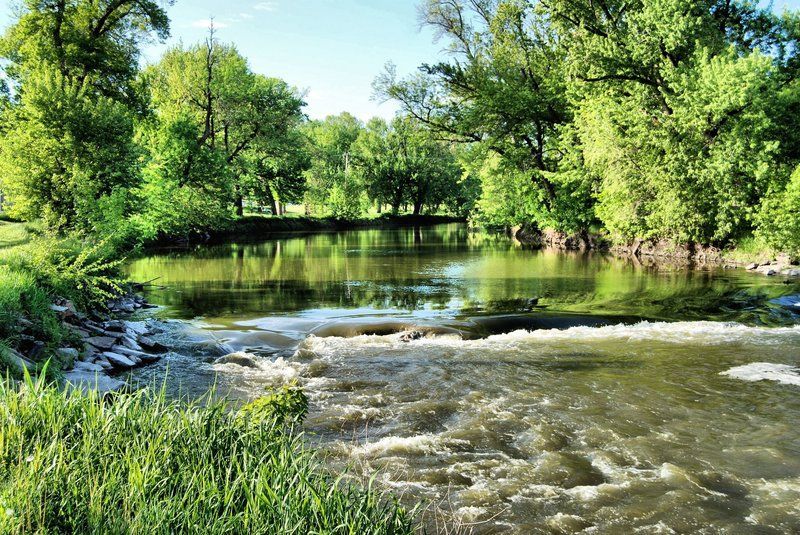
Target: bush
{"x":142,"y":464}
{"x":21,"y":296}
{"x":85,"y":274}
{"x":779,"y":218}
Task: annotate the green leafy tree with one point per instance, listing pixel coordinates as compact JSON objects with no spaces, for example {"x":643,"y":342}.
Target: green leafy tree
{"x":216,"y":124}
{"x":504,"y":88}
{"x":674,"y":111}
{"x":333,"y":187}
{"x":67,"y":139}
{"x":401,"y":163}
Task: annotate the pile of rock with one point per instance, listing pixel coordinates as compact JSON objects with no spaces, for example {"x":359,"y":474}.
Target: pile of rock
{"x":110,"y":345}
{"x":781,"y":266}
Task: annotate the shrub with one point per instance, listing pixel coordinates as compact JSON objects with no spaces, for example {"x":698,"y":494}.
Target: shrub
{"x":70,"y":463}
{"x":86,"y":274}
{"x":779,"y":218}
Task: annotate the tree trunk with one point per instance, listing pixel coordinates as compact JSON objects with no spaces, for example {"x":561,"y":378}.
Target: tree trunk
{"x":239,"y":202}
{"x":417,"y":207}
{"x":272,"y":204}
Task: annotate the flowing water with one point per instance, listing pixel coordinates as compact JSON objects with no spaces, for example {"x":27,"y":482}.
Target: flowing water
{"x":519,"y":391}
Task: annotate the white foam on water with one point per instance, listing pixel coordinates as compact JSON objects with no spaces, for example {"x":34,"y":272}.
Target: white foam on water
{"x":416,"y":445}
{"x":278,"y":372}
{"x":766,"y":371}
{"x":702,"y":333}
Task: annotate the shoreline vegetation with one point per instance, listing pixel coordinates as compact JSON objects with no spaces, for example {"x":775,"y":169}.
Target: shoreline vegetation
{"x":645,"y":128}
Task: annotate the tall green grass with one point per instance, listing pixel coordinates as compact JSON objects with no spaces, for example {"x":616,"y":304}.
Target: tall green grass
{"x":140,"y":463}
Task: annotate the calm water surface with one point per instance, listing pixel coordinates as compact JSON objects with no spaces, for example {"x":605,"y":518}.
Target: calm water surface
{"x":519,"y":391}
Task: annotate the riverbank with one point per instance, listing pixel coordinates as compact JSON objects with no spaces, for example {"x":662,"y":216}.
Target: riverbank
{"x":256,"y":227}
{"x":70,"y":332}
{"x":76,"y":462}
{"x":749,"y":255}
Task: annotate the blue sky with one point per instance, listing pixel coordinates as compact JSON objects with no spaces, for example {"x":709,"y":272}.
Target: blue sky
{"x":331,"y":48}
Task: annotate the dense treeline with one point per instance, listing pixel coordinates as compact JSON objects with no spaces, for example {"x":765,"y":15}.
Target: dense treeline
{"x":669,"y":119}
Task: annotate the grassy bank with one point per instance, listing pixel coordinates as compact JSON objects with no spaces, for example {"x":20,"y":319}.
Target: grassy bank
{"x":139,"y":463}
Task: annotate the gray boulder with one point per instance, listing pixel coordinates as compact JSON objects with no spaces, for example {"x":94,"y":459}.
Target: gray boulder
{"x":119,"y":362}
{"x":102,"y":342}
{"x":87,"y":381}
{"x":130,"y":343}
{"x":88,"y":367}
{"x":245,"y":360}
{"x":104,"y":363}
{"x":68,"y":353}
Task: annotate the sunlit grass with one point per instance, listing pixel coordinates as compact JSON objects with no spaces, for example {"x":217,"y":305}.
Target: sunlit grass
{"x":750,"y":249}
{"x":13,"y":234}
{"x":140,"y":463}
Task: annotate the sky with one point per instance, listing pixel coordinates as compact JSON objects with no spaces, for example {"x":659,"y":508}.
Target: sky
{"x":333,"y":49}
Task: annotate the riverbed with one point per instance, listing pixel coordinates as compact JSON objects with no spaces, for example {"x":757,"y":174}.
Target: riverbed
{"x":514,"y":391}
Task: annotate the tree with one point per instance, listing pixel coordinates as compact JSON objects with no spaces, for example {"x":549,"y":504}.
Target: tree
{"x":276,"y":169}
{"x":216,"y":123}
{"x":504,"y":88}
{"x":67,"y":141}
{"x":675,"y":112}
{"x":402,"y":163}
{"x":332,"y":185}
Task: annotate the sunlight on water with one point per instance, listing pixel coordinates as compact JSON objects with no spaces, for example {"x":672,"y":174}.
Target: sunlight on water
{"x":518,"y":391}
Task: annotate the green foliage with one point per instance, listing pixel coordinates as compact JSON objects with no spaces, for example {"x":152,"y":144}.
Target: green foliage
{"x":285,"y":407}
{"x":401,"y":163}
{"x":671,"y":119}
{"x":63,"y":149}
{"x":66,"y":140}
{"x":21,"y":296}
{"x":85,"y":273}
{"x":779,"y":218}
{"x":71,"y":463}
{"x":330,"y":145}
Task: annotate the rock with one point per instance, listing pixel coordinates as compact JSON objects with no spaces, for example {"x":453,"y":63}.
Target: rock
{"x":409,"y":336}
{"x":104,"y":363}
{"x":114,"y":326}
{"x":102,"y":342}
{"x":138,"y":327}
{"x":767,"y":270}
{"x":140,"y":355}
{"x":751,"y":267}
{"x":68,"y":352}
{"x":791,"y":272}
{"x":119,"y":361}
{"x":245,"y":360}
{"x":36,"y":351}
{"x":17,"y":361}
{"x":61,"y":311}
{"x":88,"y":367}
{"x":151,"y":345}
{"x":86,"y":381}
{"x":130,"y":343}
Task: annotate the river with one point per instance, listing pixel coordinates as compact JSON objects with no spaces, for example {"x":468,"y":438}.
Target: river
{"x":514,"y":391}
